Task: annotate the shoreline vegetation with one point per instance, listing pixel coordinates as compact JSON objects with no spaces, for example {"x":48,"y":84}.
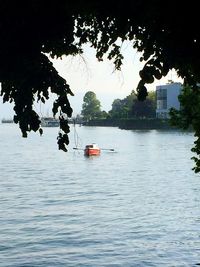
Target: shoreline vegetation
{"x":124,"y":124}
{"x":133,"y":124}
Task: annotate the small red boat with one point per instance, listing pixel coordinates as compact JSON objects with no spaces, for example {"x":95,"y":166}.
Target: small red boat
{"x":92,"y":150}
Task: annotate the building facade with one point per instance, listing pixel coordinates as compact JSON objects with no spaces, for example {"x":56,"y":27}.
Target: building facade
{"x":167,"y":98}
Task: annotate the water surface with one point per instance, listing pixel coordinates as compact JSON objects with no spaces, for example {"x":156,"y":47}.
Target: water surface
{"x":138,"y":206}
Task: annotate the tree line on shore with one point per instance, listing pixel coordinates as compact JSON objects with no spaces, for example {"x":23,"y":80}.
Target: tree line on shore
{"x":127,"y":108}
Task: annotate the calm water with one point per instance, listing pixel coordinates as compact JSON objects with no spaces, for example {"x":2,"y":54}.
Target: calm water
{"x":139,"y":206}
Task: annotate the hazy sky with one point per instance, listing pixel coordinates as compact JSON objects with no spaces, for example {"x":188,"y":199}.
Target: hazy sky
{"x":87,"y":74}
{"x":84,"y":73}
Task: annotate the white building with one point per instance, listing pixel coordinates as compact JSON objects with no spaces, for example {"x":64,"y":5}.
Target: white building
{"x":166,"y":98}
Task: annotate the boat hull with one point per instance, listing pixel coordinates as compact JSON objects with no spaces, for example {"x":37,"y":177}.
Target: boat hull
{"x":50,"y":122}
{"x":91,"y":152}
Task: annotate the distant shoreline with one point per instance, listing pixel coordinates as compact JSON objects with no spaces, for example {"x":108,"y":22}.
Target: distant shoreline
{"x":133,"y":124}
{"x":7,"y":121}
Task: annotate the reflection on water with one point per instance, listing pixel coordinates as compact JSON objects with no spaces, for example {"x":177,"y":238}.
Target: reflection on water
{"x":139,"y":206}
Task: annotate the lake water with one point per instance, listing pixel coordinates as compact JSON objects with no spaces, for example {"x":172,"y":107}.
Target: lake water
{"x":137,"y":206}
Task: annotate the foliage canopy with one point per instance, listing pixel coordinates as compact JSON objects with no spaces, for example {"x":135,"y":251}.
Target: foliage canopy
{"x":91,"y":107}
{"x":31,"y":29}
{"x":131,"y":107}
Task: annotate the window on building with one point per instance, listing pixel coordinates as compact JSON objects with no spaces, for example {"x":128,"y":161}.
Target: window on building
{"x":161,"y":96}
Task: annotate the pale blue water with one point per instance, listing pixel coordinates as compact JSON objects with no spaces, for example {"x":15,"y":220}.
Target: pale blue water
{"x":139,"y":206}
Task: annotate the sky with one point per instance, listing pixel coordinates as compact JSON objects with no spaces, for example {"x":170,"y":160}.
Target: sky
{"x":84,"y":73}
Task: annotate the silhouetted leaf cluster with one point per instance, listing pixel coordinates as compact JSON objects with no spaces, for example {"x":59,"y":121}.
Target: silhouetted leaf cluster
{"x":189,"y":117}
